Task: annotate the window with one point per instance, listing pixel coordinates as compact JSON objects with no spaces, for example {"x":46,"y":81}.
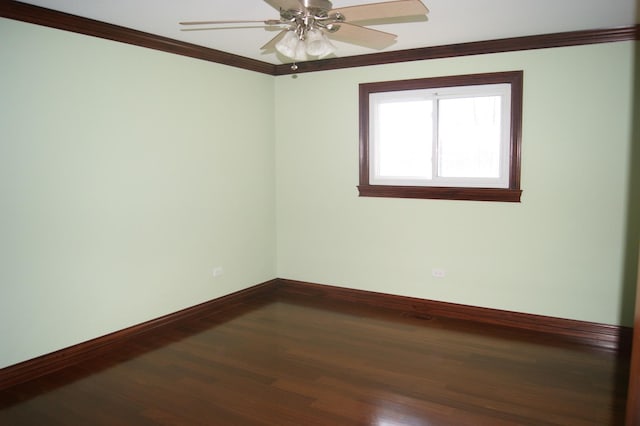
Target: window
{"x":446,"y":137}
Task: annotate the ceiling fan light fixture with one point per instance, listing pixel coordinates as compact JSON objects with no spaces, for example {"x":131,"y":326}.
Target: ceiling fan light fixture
{"x":318,"y":44}
{"x":306,"y":24}
{"x":301,"y":52}
{"x":288,"y":45}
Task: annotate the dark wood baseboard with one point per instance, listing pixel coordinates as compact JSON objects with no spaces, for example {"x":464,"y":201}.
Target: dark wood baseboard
{"x":587,"y":333}
{"x":54,"y":361}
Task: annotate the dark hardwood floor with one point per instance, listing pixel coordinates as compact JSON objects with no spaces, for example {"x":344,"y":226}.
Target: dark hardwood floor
{"x":294,"y":361}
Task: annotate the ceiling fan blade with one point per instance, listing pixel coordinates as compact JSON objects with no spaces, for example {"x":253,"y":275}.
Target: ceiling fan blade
{"x":285,"y":4}
{"x":362,"y":36}
{"x":234,"y":27}
{"x":265,"y":22}
{"x":389,"y":9}
{"x":271,"y":44}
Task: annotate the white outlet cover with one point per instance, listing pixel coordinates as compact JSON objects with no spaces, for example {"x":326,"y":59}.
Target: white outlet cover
{"x":217,"y":271}
{"x":438,"y":272}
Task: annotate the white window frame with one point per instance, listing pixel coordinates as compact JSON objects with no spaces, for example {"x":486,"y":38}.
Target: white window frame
{"x":501,"y":90}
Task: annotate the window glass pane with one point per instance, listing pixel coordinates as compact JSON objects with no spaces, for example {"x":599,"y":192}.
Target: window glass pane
{"x":469,"y":137}
{"x":405,"y":134}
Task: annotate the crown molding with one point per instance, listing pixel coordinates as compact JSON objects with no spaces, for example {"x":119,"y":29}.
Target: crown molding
{"x":50,"y":18}
{"x":544,"y":41}
{"x":64,"y":21}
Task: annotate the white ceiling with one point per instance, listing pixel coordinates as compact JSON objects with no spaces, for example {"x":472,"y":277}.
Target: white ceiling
{"x":450,"y":21}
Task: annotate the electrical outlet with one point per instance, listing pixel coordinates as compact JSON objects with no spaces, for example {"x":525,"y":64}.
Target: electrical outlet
{"x":438,"y":272}
{"x":217,"y":271}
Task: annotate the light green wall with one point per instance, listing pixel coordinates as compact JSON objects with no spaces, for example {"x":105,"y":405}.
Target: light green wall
{"x":560,"y":252}
{"x":126,"y":175}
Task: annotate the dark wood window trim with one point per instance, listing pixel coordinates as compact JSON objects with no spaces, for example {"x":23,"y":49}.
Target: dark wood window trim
{"x":510,"y":194}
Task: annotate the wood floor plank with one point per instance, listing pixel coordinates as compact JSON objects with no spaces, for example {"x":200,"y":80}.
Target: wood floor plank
{"x":290,"y":362}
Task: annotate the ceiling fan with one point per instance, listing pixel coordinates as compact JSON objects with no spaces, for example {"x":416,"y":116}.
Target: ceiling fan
{"x":308,"y":25}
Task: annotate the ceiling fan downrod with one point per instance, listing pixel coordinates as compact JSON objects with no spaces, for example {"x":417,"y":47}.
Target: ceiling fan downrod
{"x":323,"y":5}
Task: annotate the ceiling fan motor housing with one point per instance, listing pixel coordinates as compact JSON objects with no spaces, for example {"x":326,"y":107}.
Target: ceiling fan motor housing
{"x":314,"y":14}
